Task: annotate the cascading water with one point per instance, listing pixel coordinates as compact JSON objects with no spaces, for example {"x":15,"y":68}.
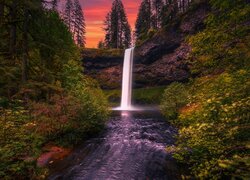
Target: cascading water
{"x":127,"y":80}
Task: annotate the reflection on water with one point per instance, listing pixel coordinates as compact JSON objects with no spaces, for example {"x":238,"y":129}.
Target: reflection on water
{"x":132,"y":147}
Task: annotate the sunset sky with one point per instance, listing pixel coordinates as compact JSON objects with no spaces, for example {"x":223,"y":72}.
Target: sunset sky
{"x":95,"y":12}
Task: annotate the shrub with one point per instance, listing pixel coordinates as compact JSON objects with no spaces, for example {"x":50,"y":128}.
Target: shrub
{"x":19,"y":145}
{"x":214,"y":136}
{"x":175,"y":97}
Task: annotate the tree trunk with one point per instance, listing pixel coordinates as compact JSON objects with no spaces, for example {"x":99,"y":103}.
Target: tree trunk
{"x":13,"y":13}
{"x":1,"y":12}
{"x":25,"y":47}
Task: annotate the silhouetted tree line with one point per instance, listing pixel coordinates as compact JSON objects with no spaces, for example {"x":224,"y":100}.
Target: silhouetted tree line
{"x":117,"y":28}
{"x":155,"y":14}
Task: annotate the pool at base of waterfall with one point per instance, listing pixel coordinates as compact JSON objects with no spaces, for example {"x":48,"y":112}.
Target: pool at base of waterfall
{"x":136,"y":108}
{"x":131,"y":147}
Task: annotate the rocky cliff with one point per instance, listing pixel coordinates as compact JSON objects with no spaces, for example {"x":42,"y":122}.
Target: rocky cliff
{"x":158,"y":61}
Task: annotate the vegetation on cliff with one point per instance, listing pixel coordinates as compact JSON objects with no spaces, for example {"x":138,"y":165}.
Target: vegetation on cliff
{"x":212,"y":110}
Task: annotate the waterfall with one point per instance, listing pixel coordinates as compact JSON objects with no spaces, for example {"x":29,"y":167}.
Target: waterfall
{"x":127,"y":79}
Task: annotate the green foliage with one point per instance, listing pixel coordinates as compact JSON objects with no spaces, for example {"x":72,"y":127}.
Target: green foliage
{"x":214,"y":125}
{"x":19,"y":145}
{"x":227,"y":31}
{"x":174,"y":97}
{"x":150,"y":95}
{"x":55,"y":103}
{"x":93,"y":102}
{"x":216,"y":130}
{"x":146,"y":36}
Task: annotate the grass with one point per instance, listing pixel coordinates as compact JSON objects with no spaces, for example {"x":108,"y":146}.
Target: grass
{"x":149,"y":96}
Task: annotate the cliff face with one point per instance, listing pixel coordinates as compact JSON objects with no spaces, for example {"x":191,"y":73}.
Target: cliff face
{"x":105,"y":66}
{"x":158,"y":61}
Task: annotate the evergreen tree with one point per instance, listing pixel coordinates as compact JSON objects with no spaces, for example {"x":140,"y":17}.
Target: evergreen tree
{"x":54,"y":4}
{"x":78,"y":24}
{"x":144,"y":17}
{"x":107,"y":29}
{"x":158,"y":7}
{"x":68,"y":13}
{"x":117,"y":28}
{"x":169,"y":11}
{"x":74,"y":19}
{"x":100,"y":45}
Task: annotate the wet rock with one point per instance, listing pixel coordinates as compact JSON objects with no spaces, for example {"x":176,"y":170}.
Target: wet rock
{"x":51,"y":154}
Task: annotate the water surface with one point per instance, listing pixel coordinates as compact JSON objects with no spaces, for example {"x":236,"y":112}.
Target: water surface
{"x":132,"y":147}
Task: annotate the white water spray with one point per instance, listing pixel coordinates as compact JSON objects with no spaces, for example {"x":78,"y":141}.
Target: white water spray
{"x":127,"y":79}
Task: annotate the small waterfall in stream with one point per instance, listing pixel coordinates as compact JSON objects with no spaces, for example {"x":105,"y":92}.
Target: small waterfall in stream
{"x":127,"y":80}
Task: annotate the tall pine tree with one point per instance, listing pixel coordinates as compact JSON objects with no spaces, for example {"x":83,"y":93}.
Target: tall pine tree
{"x":75,"y":21}
{"x":78,"y":24}
{"x":117,"y":28}
{"x":143,"y":21}
{"x":68,"y":12}
{"x":157,"y":10}
{"x":155,"y":14}
{"x":169,"y":11}
{"x":54,"y":4}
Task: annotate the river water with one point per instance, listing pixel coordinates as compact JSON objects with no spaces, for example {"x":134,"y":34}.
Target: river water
{"x":132,"y":147}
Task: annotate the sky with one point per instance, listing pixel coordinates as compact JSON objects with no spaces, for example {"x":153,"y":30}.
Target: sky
{"x":95,"y":12}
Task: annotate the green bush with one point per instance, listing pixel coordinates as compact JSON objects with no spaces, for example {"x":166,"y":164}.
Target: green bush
{"x":214,"y":131}
{"x":149,"y":95}
{"x":214,"y":136}
{"x":174,"y":97}
{"x":19,"y":145}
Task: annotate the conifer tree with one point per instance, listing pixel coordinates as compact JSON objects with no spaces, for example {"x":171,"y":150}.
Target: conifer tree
{"x":169,"y":11}
{"x":78,"y":24}
{"x":144,"y":17}
{"x":54,"y":4}
{"x":68,"y":12}
{"x":117,"y":28}
{"x":158,"y":7}
{"x":107,"y":29}
{"x":74,"y":19}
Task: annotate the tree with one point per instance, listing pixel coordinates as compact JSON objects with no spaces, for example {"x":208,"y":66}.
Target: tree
{"x":117,"y":28}
{"x":100,"y":45}
{"x":143,"y":21}
{"x":107,"y":29}
{"x":158,"y":7}
{"x":54,"y":4}
{"x":78,"y":24}
{"x":169,"y":11}
{"x":13,"y":28}
{"x":74,"y":19}
{"x":25,"y":46}
{"x":68,"y":13}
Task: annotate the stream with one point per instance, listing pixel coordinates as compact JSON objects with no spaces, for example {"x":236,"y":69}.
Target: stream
{"x":131,"y":147}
